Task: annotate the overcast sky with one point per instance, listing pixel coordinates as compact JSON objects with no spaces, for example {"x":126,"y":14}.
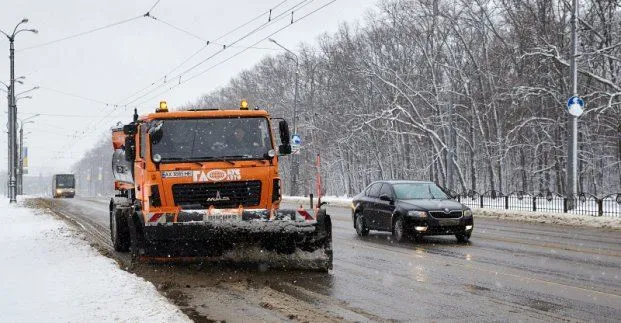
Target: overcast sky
{"x":86,"y":81}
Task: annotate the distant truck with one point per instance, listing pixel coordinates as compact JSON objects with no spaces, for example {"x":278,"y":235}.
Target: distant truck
{"x":63,"y":185}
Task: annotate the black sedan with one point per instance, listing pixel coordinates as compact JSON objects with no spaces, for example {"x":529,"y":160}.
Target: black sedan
{"x":410,"y":209}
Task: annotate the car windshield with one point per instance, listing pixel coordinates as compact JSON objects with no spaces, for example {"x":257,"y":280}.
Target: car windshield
{"x":65,"y":181}
{"x":411,"y":191}
{"x":208,"y":139}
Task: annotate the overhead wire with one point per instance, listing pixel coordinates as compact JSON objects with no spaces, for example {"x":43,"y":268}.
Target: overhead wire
{"x":147,"y":14}
{"x":206,"y":43}
{"x":82,"y":33}
{"x":259,"y":28}
{"x":233,"y":56}
{"x":76,"y":96}
{"x":154,"y":5}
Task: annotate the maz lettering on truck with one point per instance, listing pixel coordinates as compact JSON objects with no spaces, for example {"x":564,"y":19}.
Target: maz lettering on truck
{"x":216,"y":175}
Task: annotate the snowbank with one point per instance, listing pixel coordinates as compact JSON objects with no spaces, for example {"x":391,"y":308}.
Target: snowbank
{"x":525,"y":216}
{"x":332,"y":200}
{"x":550,"y":218}
{"x":50,"y":274}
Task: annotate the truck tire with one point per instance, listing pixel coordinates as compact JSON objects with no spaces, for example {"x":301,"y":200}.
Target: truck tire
{"x":326,"y":227}
{"x":119,"y":229}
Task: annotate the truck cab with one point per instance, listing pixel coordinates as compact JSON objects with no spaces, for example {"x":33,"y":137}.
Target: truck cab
{"x":172,"y":162}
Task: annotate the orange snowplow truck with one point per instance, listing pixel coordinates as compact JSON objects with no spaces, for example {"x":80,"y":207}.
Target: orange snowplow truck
{"x":205,"y":183}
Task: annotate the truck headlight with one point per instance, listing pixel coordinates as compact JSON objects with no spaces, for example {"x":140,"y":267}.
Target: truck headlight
{"x":468,"y":213}
{"x":420,"y":214}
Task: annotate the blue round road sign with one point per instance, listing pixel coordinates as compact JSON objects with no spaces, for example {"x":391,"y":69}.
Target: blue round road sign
{"x":575,"y":106}
{"x":296,"y":139}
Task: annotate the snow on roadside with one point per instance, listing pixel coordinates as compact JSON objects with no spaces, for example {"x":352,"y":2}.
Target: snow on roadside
{"x":550,"y":218}
{"x":525,"y":216}
{"x":50,"y":274}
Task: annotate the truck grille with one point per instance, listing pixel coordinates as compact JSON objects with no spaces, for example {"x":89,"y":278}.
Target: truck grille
{"x":442,"y":215}
{"x":220,"y":195}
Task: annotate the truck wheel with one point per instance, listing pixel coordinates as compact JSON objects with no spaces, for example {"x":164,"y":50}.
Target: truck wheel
{"x":361,"y":227}
{"x":119,"y":230}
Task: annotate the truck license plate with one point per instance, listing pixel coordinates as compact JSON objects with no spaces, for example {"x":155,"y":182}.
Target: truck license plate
{"x":221,"y":218}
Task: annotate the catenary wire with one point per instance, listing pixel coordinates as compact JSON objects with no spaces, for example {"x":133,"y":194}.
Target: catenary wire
{"x":259,"y":28}
{"x":255,"y":18}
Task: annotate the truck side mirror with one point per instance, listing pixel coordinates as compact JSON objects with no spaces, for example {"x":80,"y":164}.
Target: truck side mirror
{"x":130,"y":129}
{"x":130,"y":148}
{"x":285,"y":138}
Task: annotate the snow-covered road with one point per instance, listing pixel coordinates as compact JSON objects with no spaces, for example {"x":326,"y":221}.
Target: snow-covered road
{"x":510,"y":271}
{"x":51,"y":274}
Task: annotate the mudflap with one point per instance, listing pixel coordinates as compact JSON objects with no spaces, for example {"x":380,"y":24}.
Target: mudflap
{"x":305,"y":245}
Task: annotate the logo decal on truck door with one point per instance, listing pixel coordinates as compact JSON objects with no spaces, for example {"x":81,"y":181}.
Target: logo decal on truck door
{"x":216,"y":175}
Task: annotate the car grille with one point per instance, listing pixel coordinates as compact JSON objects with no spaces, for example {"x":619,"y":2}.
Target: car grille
{"x":220,"y":195}
{"x":443,"y":215}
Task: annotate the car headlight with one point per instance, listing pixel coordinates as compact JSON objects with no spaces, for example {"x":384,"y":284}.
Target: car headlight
{"x":420,"y":214}
{"x":468,"y":213}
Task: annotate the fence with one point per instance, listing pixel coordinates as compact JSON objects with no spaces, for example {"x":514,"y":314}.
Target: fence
{"x":584,"y":203}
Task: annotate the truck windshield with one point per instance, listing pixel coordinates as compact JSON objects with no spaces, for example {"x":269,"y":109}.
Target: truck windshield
{"x":208,"y":139}
{"x":65,"y":181}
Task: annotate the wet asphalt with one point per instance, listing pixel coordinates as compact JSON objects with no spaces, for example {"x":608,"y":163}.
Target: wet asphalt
{"x":509,"y":271}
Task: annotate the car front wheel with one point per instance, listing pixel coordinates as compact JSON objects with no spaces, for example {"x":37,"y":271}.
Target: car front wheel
{"x":463,"y":237}
{"x":398,"y":230}
{"x":361,"y":227}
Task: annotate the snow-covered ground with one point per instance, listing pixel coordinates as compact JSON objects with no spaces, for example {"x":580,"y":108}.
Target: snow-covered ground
{"x":526,"y":216}
{"x":51,"y":274}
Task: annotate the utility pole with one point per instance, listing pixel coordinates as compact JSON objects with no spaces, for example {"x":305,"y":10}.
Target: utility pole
{"x":20,"y":160}
{"x":572,"y":122}
{"x":295,"y":162}
{"x":12,"y":108}
{"x":20,"y":169}
{"x":13,"y":112}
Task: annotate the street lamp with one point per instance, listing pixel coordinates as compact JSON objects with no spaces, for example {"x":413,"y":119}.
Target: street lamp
{"x":20,"y":174}
{"x":32,"y":89}
{"x":13,"y":110}
{"x":295,"y":163}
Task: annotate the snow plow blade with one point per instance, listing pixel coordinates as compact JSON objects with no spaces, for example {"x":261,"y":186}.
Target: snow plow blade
{"x":283,"y":242}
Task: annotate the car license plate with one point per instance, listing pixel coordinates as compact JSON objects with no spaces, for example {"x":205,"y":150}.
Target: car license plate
{"x":448,"y":222}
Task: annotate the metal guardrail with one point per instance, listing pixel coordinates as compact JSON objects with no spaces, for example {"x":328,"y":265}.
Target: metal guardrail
{"x":583,"y":203}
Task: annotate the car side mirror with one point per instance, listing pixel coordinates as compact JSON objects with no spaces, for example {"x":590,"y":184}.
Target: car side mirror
{"x":385,"y":197}
{"x":285,"y":138}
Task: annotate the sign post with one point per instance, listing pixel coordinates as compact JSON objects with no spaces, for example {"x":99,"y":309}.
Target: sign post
{"x":296,"y":142}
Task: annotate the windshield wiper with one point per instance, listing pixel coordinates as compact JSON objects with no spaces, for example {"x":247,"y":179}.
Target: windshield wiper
{"x":217,"y":159}
{"x":239,"y":156}
{"x":198,"y":161}
{"x":430,"y":194}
